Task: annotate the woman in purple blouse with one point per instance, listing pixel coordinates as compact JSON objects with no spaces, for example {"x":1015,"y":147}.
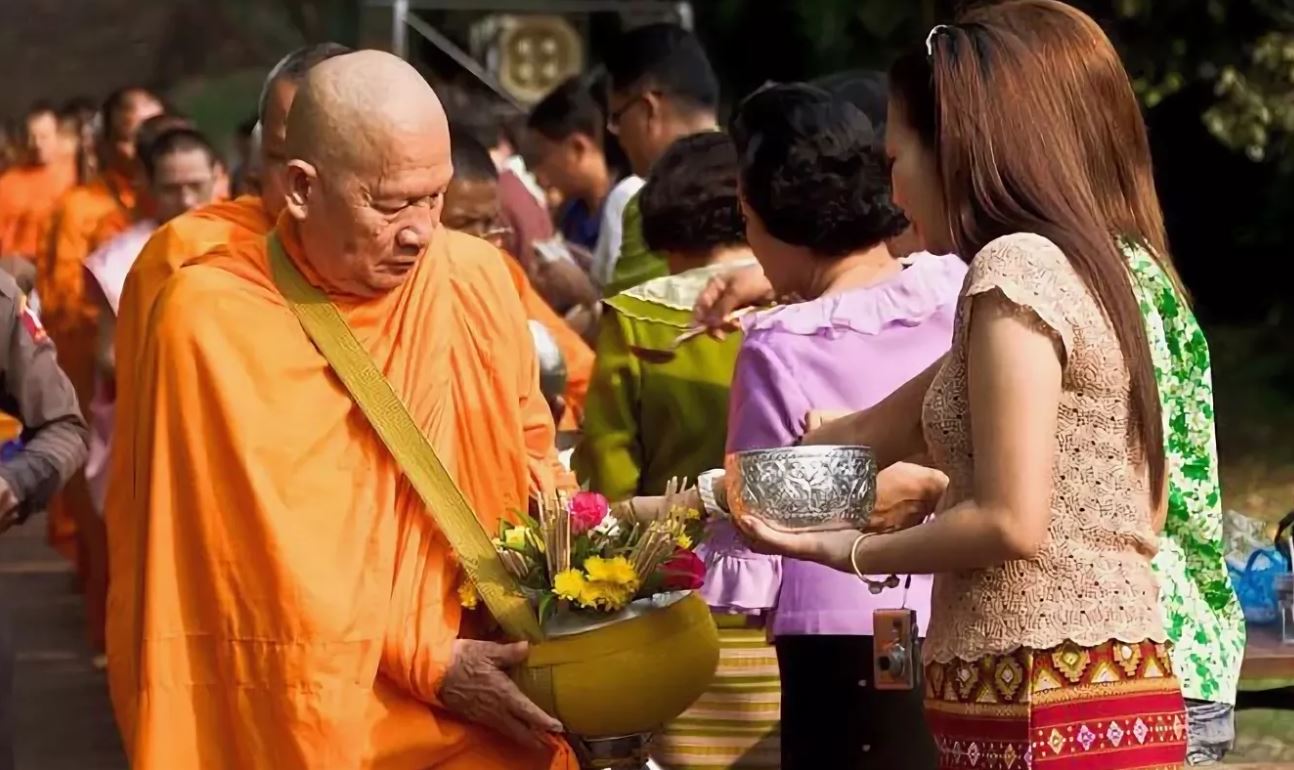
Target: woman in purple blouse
{"x":816,"y":197}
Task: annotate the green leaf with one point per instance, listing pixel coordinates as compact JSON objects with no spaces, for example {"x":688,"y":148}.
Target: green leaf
{"x":547,"y":606}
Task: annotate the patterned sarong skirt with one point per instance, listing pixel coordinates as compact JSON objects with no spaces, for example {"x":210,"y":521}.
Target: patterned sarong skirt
{"x":735,"y":723}
{"x":1116,"y":706}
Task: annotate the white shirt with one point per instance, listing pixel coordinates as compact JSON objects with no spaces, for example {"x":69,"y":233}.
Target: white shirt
{"x":610,"y":232}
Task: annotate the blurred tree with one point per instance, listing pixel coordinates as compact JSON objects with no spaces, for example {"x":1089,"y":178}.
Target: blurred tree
{"x":322,"y":20}
{"x":1241,"y":49}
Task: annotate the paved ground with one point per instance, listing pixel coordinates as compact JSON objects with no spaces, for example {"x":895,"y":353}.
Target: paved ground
{"x":62,"y":717}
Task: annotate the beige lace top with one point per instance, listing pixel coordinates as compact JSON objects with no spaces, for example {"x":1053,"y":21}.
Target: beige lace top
{"x":1091,"y":582}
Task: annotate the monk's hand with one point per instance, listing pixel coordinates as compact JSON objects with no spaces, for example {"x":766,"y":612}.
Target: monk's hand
{"x":477,"y":687}
{"x":829,"y":548}
{"x":10,"y":507}
{"x":906,"y":494}
{"x":727,"y":293}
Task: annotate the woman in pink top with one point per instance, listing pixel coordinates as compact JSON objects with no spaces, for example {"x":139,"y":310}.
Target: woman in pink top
{"x":1045,"y":646}
{"x":816,"y":196}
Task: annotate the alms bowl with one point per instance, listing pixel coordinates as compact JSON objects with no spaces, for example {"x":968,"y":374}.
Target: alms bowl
{"x":803,"y":488}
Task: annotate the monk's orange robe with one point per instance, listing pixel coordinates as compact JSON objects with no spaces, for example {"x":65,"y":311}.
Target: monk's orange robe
{"x":70,"y":315}
{"x":577,"y":353}
{"x":280,"y":597}
{"x":28,"y":197}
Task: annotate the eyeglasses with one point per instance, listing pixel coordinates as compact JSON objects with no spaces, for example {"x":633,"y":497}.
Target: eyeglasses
{"x":613,"y":120}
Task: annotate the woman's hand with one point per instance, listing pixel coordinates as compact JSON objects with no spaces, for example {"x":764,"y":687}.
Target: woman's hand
{"x":829,"y":548}
{"x":906,"y":494}
{"x":727,"y":293}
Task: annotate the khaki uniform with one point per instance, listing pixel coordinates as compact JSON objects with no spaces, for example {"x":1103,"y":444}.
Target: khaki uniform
{"x":33,"y":389}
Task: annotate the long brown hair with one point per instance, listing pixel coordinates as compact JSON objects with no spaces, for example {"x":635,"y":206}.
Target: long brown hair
{"x":1003,"y":98}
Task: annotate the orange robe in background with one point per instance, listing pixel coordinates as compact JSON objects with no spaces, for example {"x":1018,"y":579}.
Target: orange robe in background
{"x":28,"y":197}
{"x":280,"y":597}
{"x":70,"y":315}
{"x":577,"y":353}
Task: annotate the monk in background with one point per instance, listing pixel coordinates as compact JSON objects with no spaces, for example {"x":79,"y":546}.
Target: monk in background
{"x":473,"y":206}
{"x":68,"y":312}
{"x":280,"y":596}
{"x":30,"y":191}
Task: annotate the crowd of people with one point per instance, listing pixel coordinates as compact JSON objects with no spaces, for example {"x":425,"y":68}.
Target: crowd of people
{"x":961,"y":265}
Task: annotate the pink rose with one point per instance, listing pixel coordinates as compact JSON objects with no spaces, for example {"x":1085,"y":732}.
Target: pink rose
{"x":588,"y":509}
{"x":684,"y":571}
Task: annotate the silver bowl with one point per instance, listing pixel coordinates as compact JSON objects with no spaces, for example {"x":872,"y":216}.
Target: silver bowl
{"x":803,"y":488}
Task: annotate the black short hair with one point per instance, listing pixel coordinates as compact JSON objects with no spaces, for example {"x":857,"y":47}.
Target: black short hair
{"x":472,"y":161}
{"x":667,"y":57}
{"x":172,"y":141}
{"x":690,"y":202}
{"x":568,"y":109}
{"x":814,"y":170}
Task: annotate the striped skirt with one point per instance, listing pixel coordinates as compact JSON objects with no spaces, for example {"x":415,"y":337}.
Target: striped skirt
{"x":735,"y":723}
{"x":1116,"y":706}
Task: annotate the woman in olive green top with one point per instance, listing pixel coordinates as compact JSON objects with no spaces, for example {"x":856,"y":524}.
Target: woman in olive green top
{"x":650,"y":418}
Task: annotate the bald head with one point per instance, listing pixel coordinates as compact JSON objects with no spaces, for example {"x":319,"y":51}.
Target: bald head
{"x":368,"y":163}
{"x":349,"y":110}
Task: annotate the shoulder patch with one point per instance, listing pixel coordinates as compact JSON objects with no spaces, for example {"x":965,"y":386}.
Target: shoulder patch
{"x":31,"y":323}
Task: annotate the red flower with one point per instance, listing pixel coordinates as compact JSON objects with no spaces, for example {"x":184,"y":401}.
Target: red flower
{"x":588,"y":509}
{"x":684,"y":571}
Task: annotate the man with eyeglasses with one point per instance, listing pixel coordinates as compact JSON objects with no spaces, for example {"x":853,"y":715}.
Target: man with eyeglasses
{"x":660,"y":88}
{"x":473,"y":206}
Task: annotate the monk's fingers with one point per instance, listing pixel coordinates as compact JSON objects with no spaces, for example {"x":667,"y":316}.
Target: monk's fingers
{"x":524,"y":710}
{"x":506,"y":656}
{"x":516,"y":730}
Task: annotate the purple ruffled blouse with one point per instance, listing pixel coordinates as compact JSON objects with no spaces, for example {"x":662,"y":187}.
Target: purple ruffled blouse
{"x":843,"y":351}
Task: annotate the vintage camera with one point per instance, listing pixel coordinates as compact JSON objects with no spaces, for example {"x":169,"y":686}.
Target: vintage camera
{"x":896,"y":650}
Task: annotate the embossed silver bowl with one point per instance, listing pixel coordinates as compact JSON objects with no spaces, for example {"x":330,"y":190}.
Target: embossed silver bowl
{"x":803,"y":488}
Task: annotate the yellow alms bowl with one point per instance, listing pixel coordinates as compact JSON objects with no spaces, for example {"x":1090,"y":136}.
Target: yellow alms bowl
{"x":630,"y":676}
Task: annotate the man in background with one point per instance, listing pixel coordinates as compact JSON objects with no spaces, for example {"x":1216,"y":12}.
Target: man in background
{"x":66,"y":309}
{"x":567,"y":133}
{"x":473,"y":206}
{"x":660,"y":88}
{"x":29,"y":192}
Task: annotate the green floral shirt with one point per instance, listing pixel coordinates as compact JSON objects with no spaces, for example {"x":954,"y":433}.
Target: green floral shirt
{"x":1201,"y":611}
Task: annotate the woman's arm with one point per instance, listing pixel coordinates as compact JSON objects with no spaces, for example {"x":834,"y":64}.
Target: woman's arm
{"x":1014,"y":382}
{"x":892,"y":428}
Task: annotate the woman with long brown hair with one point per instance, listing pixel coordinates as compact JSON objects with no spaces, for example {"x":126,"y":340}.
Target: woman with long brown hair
{"x":1045,"y":640}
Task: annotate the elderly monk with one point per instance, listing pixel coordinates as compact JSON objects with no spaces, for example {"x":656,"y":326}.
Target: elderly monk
{"x":473,"y":206}
{"x":29,"y":192}
{"x":67,"y":310}
{"x":282,"y":598}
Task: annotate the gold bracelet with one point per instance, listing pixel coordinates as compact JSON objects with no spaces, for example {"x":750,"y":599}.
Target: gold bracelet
{"x":875,"y":586}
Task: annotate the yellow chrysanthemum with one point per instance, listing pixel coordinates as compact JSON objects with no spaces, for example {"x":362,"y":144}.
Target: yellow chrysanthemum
{"x":686,"y":514}
{"x":467,"y":595}
{"x":570,"y":585}
{"x":683,"y":541}
{"x":607,"y":597}
{"x":617,"y":571}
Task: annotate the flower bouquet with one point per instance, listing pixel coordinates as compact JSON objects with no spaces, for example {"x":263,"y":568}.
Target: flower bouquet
{"x":579,"y":557}
{"x":628,"y":646}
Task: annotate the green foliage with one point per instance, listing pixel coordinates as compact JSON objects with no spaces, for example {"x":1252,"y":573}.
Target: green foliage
{"x":1241,"y":49}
